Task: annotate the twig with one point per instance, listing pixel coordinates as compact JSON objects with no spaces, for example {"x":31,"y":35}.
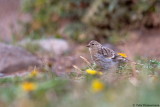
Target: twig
{"x":85,"y":60}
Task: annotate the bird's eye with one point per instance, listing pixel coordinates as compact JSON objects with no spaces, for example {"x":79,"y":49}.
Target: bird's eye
{"x":92,"y":44}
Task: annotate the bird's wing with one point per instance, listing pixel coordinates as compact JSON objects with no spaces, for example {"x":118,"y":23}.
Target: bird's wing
{"x":108,"y":53}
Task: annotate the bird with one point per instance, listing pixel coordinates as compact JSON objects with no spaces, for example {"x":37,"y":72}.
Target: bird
{"x":105,"y":58}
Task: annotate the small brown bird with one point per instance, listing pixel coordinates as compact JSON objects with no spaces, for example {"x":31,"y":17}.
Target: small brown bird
{"x":104,"y":57}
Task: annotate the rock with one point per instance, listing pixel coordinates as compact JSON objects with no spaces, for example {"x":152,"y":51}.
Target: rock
{"x":15,"y":59}
{"x":58,"y":46}
{"x":52,"y":45}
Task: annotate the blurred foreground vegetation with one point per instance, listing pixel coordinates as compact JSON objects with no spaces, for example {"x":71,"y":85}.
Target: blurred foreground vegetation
{"x":84,"y":88}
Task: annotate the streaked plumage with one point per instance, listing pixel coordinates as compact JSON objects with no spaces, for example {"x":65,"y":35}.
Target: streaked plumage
{"x":104,"y":57}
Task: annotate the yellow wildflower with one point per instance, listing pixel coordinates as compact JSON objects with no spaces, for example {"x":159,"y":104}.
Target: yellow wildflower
{"x":29,"y":86}
{"x":97,"y":85}
{"x":93,"y":72}
{"x":34,"y":72}
{"x":123,"y":55}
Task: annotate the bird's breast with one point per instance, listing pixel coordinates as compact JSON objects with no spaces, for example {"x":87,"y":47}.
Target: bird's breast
{"x":103,"y":62}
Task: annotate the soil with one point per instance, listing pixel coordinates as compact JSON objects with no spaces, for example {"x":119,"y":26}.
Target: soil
{"x":144,"y":43}
{"x":9,"y":11}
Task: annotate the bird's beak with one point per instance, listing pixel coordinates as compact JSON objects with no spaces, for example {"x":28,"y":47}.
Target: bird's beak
{"x":88,"y":45}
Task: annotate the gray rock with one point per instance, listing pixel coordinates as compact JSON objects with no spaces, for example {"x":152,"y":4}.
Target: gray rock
{"x":52,"y":45}
{"x":57,"y":46}
{"x":14,"y":59}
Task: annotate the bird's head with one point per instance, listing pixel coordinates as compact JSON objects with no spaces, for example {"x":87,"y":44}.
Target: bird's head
{"x":94,"y":44}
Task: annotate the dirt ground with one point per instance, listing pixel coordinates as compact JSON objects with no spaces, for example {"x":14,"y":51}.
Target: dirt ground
{"x":9,"y":11}
{"x":143,"y":43}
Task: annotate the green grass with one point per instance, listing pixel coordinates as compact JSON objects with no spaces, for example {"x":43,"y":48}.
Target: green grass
{"x":76,"y":91}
